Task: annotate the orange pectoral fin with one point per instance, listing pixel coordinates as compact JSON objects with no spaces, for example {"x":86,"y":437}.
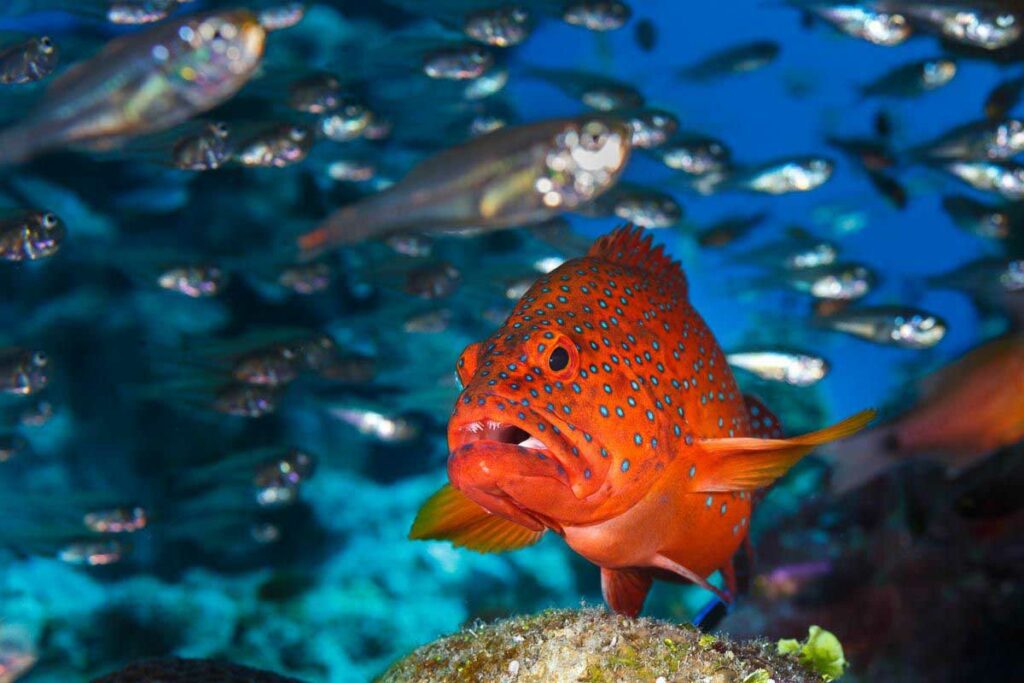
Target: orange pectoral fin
{"x":449,"y":515}
{"x":745,"y":464}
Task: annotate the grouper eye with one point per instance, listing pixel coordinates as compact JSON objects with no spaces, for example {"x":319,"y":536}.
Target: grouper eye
{"x":559,"y":359}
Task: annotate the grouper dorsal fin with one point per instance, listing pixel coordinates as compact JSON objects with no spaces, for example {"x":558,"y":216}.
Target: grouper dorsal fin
{"x":630,"y":247}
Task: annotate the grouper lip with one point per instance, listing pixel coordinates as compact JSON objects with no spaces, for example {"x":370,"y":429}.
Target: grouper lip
{"x":503,"y":431}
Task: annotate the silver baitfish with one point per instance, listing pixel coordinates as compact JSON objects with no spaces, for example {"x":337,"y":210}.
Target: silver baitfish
{"x":92,"y":553}
{"x":796,"y":368}
{"x":970,"y":23}
{"x":835,"y":281}
{"x":978,"y":218}
{"x":142,"y":83}
{"x":694,"y":154}
{"x":121,"y":520}
{"x":30,"y":235}
{"x":275,"y":146}
{"x":1003,"y":177}
{"x":503,"y":26}
{"x":597,"y":15}
{"x":204,"y":150}
{"x":280,"y":17}
{"x":194,"y":281}
{"x":799,"y":174}
{"x":28,"y":61}
{"x":513,"y":176}
{"x":277,"y":481}
{"x":912,"y":80}
{"x":1000,"y":139}
{"x":890,"y":325}
{"x":458,"y":63}
{"x":878,"y":27}
{"x":23,"y":371}
{"x":651,"y":127}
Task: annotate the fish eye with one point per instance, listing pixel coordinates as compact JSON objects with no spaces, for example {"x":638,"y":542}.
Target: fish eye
{"x":39,"y":358}
{"x":220,"y":129}
{"x":297,"y":134}
{"x":594,"y":135}
{"x":49,"y":220}
{"x":559,"y":359}
{"x":46,"y":44}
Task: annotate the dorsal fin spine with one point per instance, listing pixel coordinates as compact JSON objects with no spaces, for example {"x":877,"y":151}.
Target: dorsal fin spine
{"x":633,"y":247}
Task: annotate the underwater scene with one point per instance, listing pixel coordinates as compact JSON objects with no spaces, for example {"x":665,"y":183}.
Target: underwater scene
{"x":519,"y":341}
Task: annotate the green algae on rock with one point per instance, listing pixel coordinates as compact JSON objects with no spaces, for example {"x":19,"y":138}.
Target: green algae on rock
{"x":593,"y":646}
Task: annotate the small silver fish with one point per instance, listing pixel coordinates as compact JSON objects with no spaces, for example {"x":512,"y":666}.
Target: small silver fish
{"x":597,"y":15}
{"x":991,"y":140}
{"x":36,"y":415}
{"x":428,"y":322}
{"x":265,"y":533}
{"x":1003,"y":177}
{"x":433,"y":281}
{"x":121,"y":520}
{"x":991,"y":29}
{"x":280,"y":17}
{"x":912,"y":80}
{"x":651,"y":127}
{"x":797,"y":368}
{"x":23,"y":371}
{"x":306,"y":278}
{"x":30,"y":235}
{"x":141,"y":83}
{"x":799,"y":174}
{"x":881,"y":28}
{"x":271,"y":366}
{"x":836,"y":281}
{"x":205,"y":150}
{"x":195,"y":281}
{"x":991,"y":222}
{"x":92,"y":553}
{"x":593,"y":90}
{"x":986,"y":275}
{"x":137,"y":12}
{"x":458,"y":63}
{"x":514,"y":176}
{"x":890,"y":325}
{"x":350,"y":119}
{"x":315,"y":94}
{"x":377,"y":425}
{"x":275,"y":146}
{"x":503,"y":26}
{"x":737,"y":59}
{"x":28,"y":61}
{"x":277,"y":481}
{"x":246,"y":400}
{"x":694,"y":154}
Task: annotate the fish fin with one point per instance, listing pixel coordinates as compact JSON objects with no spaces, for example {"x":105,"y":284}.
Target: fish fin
{"x":625,"y":589}
{"x":859,"y":460}
{"x":451,"y":516}
{"x":763,"y":422}
{"x":743,"y":464}
{"x":629,"y":246}
{"x":662,"y":562}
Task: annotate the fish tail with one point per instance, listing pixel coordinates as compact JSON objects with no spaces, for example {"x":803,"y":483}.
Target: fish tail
{"x":858,"y":460}
{"x":348,"y":225}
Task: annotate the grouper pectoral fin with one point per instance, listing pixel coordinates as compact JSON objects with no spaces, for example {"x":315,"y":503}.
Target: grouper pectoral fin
{"x":746,"y":464}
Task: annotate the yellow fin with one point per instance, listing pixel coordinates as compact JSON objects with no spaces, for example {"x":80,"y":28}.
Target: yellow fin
{"x":744,"y":464}
{"x":449,"y":515}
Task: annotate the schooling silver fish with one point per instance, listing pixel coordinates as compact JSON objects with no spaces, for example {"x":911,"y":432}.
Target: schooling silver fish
{"x":890,"y":325}
{"x":799,"y":174}
{"x":142,"y":83}
{"x":694,"y":154}
{"x":1000,"y":139}
{"x":502,"y":26}
{"x":797,"y":368}
{"x":881,"y":28}
{"x":513,"y":176}
{"x":912,"y":80}
{"x":978,"y":218}
{"x":28,"y":61}
{"x":597,"y":15}
{"x":204,"y":150}
{"x":23,"y":371}
{"x":1003,"y":177}
{"x":30,"y":235}
{"x":979,"y":23}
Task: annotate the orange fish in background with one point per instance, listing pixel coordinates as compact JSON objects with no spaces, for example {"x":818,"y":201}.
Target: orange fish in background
{"x":967,"y":410}
{"x":604,"y":410}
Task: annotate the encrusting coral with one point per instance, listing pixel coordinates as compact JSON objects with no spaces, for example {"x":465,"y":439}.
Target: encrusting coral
{"x":594,"y":646}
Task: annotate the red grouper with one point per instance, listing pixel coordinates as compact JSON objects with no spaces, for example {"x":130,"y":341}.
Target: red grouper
{"x":604,"y":410}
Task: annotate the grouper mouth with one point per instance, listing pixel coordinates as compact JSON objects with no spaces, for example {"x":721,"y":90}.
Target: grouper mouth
{"x":504,"y":463}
